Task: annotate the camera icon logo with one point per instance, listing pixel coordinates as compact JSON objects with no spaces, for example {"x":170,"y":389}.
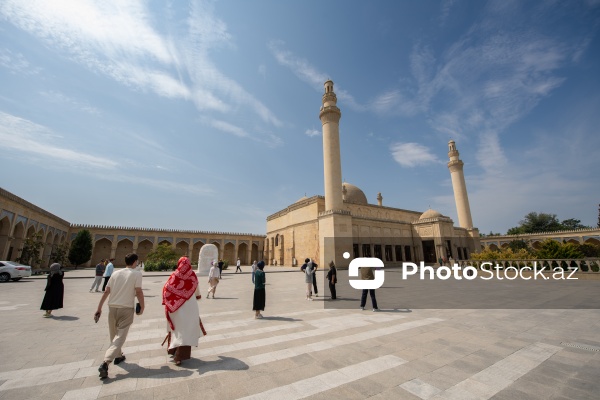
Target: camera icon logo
{"x":366,"y":262}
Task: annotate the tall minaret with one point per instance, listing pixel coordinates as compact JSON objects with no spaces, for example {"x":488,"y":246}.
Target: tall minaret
{"x":332,"y":165}
{"x":455,"y":165}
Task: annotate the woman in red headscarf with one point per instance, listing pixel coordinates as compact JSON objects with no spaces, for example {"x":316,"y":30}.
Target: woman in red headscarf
{"x":180,"y":295}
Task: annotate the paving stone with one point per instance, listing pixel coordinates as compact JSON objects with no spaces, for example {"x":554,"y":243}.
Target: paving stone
{"x":455,"y":353}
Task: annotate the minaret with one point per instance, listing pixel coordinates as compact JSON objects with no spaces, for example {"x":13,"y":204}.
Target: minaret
{"x":379,"y":199}
{"x":332,"y":165}
{"x":455,"y":165}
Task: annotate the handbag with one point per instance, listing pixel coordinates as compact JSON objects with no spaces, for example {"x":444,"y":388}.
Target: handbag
{"x":202,"y":326}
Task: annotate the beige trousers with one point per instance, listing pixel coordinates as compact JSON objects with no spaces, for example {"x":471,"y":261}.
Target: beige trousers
{"x":119,"y":321}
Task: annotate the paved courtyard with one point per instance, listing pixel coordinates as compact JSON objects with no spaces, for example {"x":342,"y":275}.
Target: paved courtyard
{"x":301,"y":349}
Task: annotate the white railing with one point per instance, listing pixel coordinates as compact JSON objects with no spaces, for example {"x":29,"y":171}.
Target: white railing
{"x":586,"y":265}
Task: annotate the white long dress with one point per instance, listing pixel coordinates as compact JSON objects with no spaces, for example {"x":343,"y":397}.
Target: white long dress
{"x":187,"y":327}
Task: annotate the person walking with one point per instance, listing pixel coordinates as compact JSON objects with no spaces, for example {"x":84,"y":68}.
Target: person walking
{"x":367,"y":274}
{"x":55,"y":291}
{"x":314,"y":277}
{"x":180,"y":298}
{"x":108,"y":272}
{"x":213,"y":280}
{"x":253,"y":270}
{"x":238,"y":266}
{"x":100,"y":267}
{"x":221,"y":264}
{"x":122,"y":289}
{"x":332,"y":279}
{"x":258,"y":303}
{"x":309,"y":271}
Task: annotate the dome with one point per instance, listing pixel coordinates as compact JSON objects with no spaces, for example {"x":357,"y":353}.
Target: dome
{"x":354,"y":194}
{"x":430,"y":214}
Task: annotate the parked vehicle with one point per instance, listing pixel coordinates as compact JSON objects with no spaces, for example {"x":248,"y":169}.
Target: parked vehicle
{"x":13,"y":270}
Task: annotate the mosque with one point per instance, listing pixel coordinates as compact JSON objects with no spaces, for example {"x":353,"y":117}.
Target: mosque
{"x":326,"y":227}
{"x":319,"y":227}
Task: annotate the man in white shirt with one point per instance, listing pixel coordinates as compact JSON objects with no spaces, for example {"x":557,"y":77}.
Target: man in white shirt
{"x":237,"y":266}
{"x":122,"y":289}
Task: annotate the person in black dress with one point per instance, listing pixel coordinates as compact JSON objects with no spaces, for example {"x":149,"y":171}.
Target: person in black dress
{"x":55,"y":290}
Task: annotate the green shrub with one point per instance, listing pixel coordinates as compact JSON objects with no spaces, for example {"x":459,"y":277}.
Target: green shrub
{"x":160,"y":265}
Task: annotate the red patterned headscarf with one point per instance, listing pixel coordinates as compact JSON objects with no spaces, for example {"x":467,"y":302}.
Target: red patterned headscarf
{"x":180,"y":286}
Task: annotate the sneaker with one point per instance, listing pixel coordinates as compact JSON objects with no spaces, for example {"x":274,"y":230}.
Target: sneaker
{"x":362,"y":308}
{"x":259,"y":316}
{"x":375,"y":309}
{"x":310,"y":299}
{"x":90,"y":290}
{"x":316,"y":294}
{"x":103,"y":370}
{"x":119,"y":360}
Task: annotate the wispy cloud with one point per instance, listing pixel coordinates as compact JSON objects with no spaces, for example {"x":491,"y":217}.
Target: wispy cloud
{"x":308,"y":73}
{"x":412,"y":154}
{"x":18,"y":134}
{"x":227,"y":127}
{"x":16,"y":63}
{"x":58,"y":97}
{"x":119,"y":40}
{"x":485,"y":81}
{"x":312,"y":132}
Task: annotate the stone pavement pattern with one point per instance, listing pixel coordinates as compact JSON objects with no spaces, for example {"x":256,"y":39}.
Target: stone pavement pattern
{"x":299,"y":350}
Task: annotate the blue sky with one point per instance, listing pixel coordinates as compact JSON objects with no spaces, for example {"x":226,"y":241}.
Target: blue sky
{"x":204,"y":115}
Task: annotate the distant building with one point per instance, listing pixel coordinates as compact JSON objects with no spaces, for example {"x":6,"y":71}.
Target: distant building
{"x":20,"y":219}
{"x":577,"y":236}
{"x":325,"y":227}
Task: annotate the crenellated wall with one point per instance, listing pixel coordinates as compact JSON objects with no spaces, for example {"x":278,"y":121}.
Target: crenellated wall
{"x":20,"y":219}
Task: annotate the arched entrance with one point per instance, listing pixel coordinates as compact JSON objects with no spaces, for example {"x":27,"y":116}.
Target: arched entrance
{"x":181,"y":248}
{"x":101,"y":250}
{"x":144,"y":248}
{"x":4,"y":231}
{"x":229,"y":253}
{"x":124,"y":247}
{"x":254,"y":253}
{"x":243,"y":254}
{"x":14,"y":250}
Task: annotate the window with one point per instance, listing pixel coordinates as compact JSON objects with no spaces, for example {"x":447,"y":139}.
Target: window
{"x":407,"y":256}
{"x":388,"y":253}
{"x":366,"y":250}
{"x":398,"y":253}
{"x":378,"y":251}
{"x":355,"y":250}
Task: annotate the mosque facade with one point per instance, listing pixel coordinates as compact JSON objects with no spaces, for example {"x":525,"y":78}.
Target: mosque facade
{"x":343,"y":221}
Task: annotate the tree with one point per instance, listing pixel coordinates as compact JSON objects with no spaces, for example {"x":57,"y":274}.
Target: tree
{"x":536,"y":223}
{"x":518,"y":244}
{"x":161,"y":259}
{"x":589,"y":250}
{"x":550,"y":249}
{"x":572,"y":223}
{"x":59,"y":254}
{"x":81,"y":248}
{"x":30,"y":254}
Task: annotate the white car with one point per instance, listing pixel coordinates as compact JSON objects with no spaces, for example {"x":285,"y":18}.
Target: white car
{"x":13,"y":270}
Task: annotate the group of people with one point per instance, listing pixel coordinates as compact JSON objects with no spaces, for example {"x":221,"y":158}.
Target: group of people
{"x":179,"y":297}
{"x":310,"y":267}
{"x":104,"y":269}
